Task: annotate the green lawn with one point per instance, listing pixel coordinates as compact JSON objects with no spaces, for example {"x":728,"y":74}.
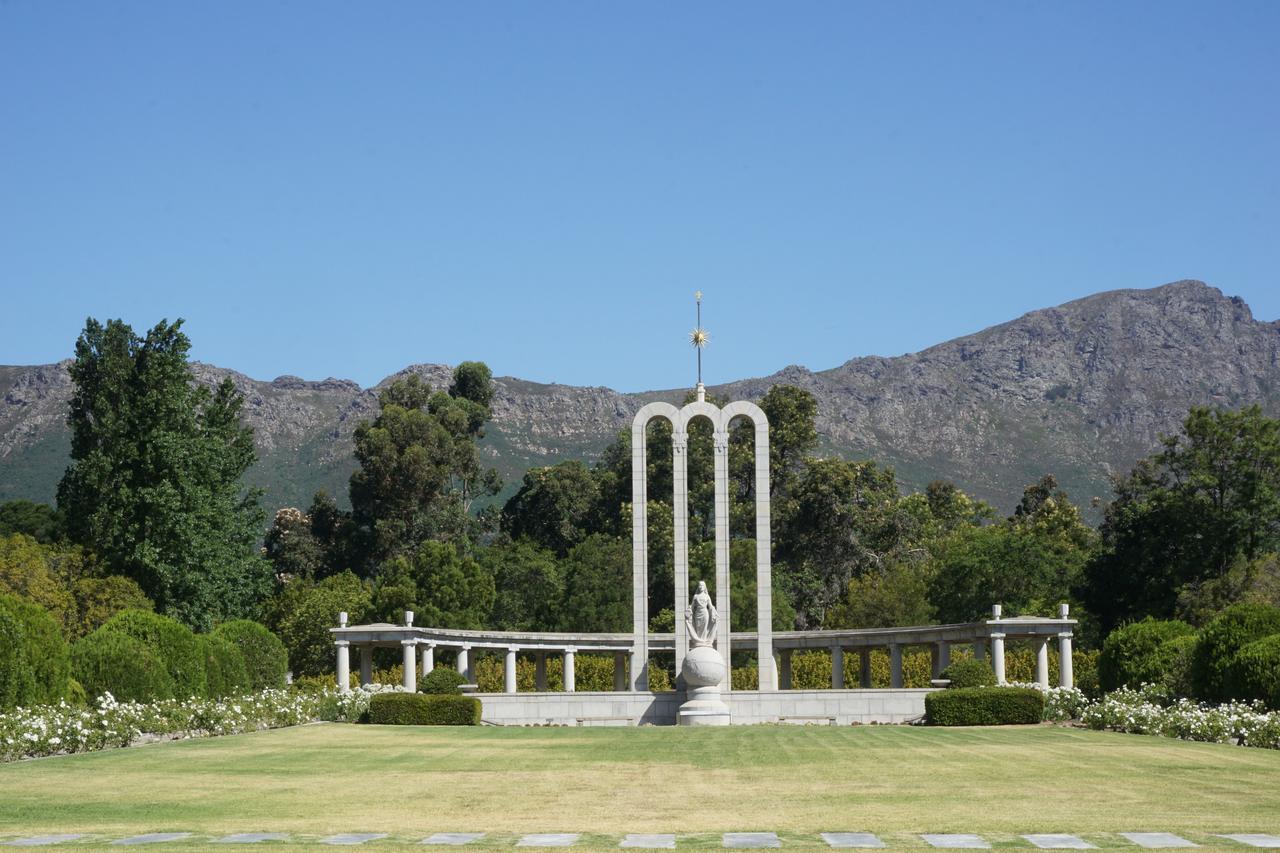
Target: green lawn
{"x":798,"y":781}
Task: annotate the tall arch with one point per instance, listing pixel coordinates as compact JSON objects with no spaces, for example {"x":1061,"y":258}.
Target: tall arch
{"x":640,"y":536}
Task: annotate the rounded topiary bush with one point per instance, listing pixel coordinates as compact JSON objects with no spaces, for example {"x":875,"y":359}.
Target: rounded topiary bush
{"x":16,"y":685}
{"x":1140,"y":653}
{"x":442,"y":681}
{"x":265,"y":657}
{"x":1255,"y":671}
{"x":173,"y":644}
{"x":1232,"y":630}
{"x":224,"y":668}
{"x":970,"y":673}
{"x":116,"y":663}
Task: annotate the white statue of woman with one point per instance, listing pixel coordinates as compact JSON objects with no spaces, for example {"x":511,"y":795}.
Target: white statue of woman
{"x":701,"y":618}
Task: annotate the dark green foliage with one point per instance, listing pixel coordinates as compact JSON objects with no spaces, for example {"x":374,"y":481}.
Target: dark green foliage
{"x":265,"y":659}
{"x":1255,"y":671}
{"x":173,"y":644}
{"x":420,"y":709}
{"x":970,"y":673}
{"x":555,"y":507}
{"x":442,"y":681}
{"x":224,"y":667}
{"x":1220,"y":640}
{"x":1178,"y":655}
{"x":16,"y":684}
{"x":598,"y":585}
{"x":441,"y":585}
{"x":528,"y":584}
{"x":304,"y":613}
{"x":47,"y":656}
{"x":116,"y":663}
{"x":39,"y":521}
{"x":984,"y":706}
{"x":154,"y":488}
{"x":1141,"y":653}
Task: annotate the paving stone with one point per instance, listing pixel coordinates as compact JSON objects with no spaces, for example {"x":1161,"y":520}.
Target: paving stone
{"x":153,"y":838}
{"x":453,"y":839}
{"x":851,"y":839}
{"x":252,"y":837}
{"x":661,"y":842}
{"x":751,"y":839}
{"x":1254,"y":839}
{"x":1059,"y":842}
{"x":353,"y":838}
{"x":958,"y":841}
{"x":41,"y":840}
{"x":549,"y":839}
{"x":1157,"y":840}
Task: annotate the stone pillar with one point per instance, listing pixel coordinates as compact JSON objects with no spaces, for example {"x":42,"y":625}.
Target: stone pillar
{"x":464,"y":661}
{"x":569,"y":686}
{"x":895,"y":666}
{"x":979,"y":649}
{"x":935,"y":658}
{"x":639,"y":563}
{"x":784,"y":669}
{"x":680,"y":538}
{"x":344,"y":666}
{"x":540,"y":671}
{"x":410,"y":648}
{"x":1066,"y":674}
{"x":1042,"y":662}
{"x":366,"y":665}
{"x":864,"y":668}
{"x":720,"y":446}
{"x":509,"y":671}
{"x":837,"y":668}
{"x":997,"y":656}
{"x":428,"y":658}
{"x":619,"y":672}
{"x":764,"y":551}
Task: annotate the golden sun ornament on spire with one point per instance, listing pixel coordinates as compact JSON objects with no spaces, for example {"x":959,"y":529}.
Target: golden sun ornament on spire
{"x":699,"y":337}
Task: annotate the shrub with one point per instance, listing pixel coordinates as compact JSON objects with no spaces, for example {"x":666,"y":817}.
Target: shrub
{"x":1232,"y":630}
{"x":173,"y":644}
{"x":117,"y":663}
{"x":76,"y":697}
{"x":420,"y":709}
{"x":225,"y":672}
{"x":984,"y":706}
{"x":16,"y":685}
{"x":48,"y":656}
{"x":265,"y":658}
{"x":1179,"y":653}
{"x":307,"y":611}
{"x":1139,"y":653}
{"x":970,"y":673}
{"x":442,"y":681}
{"x":1255,"y":671}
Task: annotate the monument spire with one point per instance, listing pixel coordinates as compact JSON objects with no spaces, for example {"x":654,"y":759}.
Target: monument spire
{"x":699,"y":337}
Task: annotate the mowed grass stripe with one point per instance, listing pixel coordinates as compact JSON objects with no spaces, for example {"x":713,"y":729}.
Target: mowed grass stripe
{"x":893,"y":780}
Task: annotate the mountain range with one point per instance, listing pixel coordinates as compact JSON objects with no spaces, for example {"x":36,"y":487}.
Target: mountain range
{"x":1081,"y":390}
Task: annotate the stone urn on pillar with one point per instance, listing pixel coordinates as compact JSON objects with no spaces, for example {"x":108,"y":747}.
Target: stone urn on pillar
{"x":703,"y":668}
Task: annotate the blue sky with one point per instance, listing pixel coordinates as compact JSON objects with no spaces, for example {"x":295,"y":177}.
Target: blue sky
{"x":342,"y":189}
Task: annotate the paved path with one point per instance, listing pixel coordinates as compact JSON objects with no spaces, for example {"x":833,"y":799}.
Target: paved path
{"x":732,"y":840}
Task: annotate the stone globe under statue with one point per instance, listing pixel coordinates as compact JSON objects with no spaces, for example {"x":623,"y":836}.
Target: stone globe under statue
{"x":703,"y":668}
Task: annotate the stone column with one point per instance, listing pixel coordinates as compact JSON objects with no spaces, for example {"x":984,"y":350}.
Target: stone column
{"x":344,"y":666}
{"x":619,"y":672}
{"x":784,"y":669}
{"x":764,"y":551}
{"x":895,"y":666}
{"x":540,"y":671}
{"x":1066,"y":675}
{"x":837,"y":668}
{"x":864,"y":668}
{"x":569,"y":686}
{"x":464,"y":660}
{"x":720,"y":444}
{"x":935,"y":657}
{"x":428,"y":658}
{"x":1042,"y":662}
{"x":366,"y":665}
{"x":997,"y":656}
{"x":410,"y":648}
{"x":680,"y":539}
{"x":509,"y":671}
{"x":639,"y":564}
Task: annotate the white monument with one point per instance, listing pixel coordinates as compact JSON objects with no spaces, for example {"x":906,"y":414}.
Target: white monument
{"x":718,"y":639}
{"x":703,"y":669}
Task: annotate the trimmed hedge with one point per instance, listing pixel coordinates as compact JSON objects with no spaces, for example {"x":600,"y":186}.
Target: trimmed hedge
{"x":265,"y":657}
{"x":1255,"y":671}
{"x":224,"y":668}
{"x":1142,"y":653}
{"x":48,"y":656}
{"x":171,"y":641}
{"x":16,"y":685}
{"x":1232,"y":630}
{"x":984,"y":706}
{"x":423,"y":709}
{"x":442,"y":681}
{"x":116,"y":663}
{"x":970,"y":673}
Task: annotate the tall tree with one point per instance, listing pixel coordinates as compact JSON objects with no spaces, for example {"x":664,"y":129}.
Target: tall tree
{"x":155,"y":486}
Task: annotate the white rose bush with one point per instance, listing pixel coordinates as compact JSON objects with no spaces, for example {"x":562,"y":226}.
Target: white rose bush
{"x":1142,"y":712}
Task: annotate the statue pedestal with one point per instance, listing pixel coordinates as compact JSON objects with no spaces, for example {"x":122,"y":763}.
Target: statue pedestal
{"x":703,"y":671}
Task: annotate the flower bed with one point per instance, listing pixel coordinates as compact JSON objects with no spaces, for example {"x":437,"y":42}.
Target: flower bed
{"x":1141,"y":712}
